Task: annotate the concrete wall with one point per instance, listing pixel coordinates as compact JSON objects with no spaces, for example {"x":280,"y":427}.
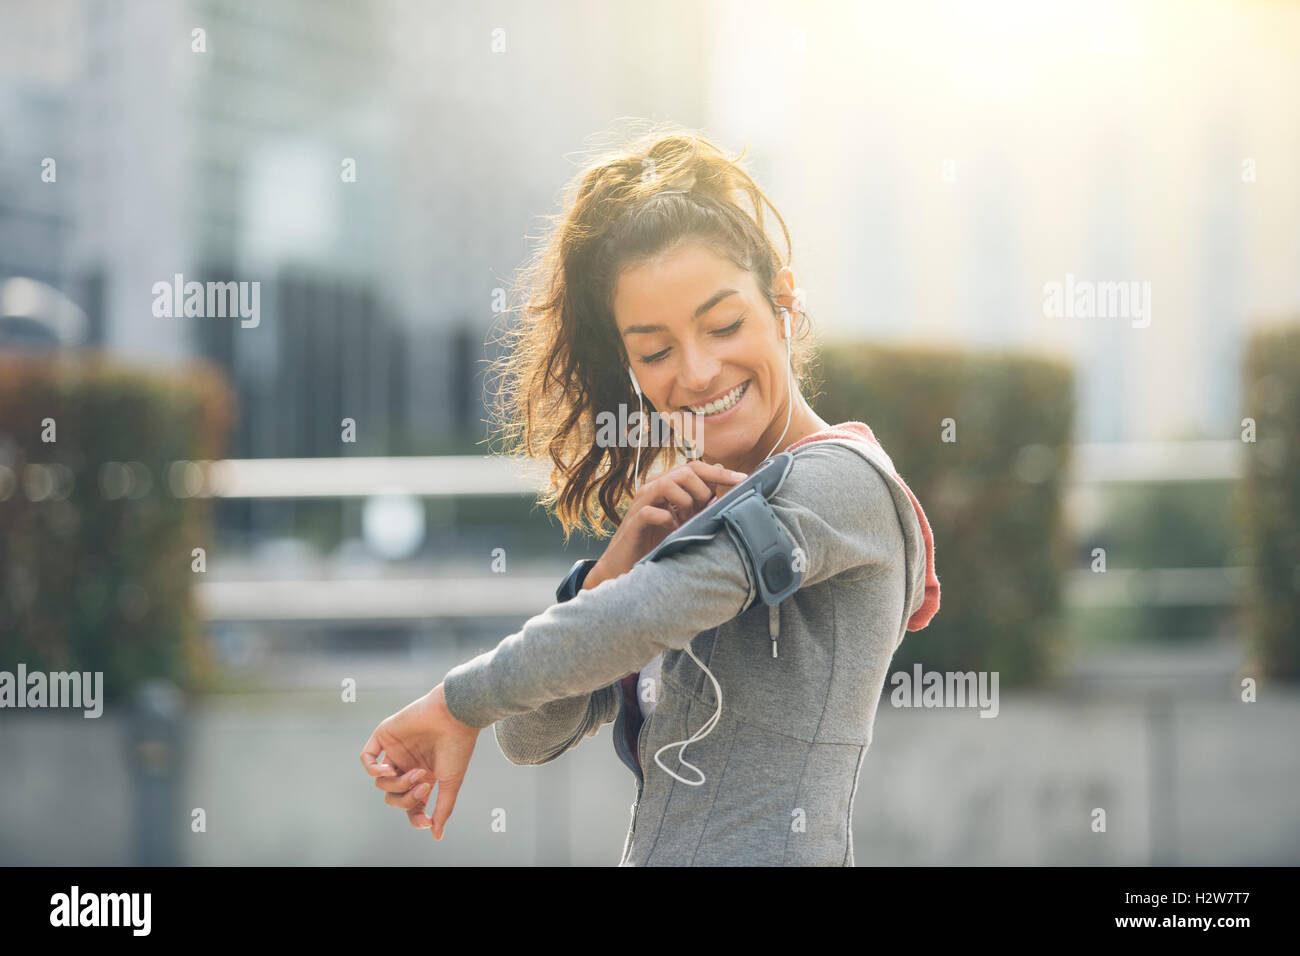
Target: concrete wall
{"x":1183,"y":779}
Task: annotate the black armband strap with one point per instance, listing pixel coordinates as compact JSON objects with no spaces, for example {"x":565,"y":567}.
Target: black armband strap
{"x":773,"y":561}
{"x":574,"y":580}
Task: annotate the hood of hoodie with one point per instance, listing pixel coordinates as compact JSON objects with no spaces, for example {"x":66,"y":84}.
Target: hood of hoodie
{"x":858,"y":431}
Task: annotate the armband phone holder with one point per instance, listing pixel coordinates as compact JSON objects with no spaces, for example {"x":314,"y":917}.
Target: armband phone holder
{"x":769,"y":551}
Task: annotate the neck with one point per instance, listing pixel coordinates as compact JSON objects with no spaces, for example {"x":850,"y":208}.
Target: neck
{"x":803,"y":422}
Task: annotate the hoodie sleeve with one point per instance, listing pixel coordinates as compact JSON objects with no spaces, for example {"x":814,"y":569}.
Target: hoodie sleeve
{"x":843,"y":513}
{"x":832,"y":502}
{"x":541,"y":735}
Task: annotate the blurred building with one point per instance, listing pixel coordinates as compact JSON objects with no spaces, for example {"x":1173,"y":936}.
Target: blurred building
{"x":937,"y":164}
{"x":941,"y":162}
{"x":372,"y":167}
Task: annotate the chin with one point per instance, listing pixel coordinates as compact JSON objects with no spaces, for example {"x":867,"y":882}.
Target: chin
{"x":727,"y":448}
{"x":729,"y":440}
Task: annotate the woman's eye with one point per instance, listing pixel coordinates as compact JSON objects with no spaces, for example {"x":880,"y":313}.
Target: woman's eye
{"x":729,"y":330}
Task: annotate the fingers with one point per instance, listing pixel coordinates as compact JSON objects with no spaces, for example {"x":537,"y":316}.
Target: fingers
{"x":659,"y":517}
{"x":400,"y":785}
{"x":447,"y":790}
{"x":407,"y":791}
{"x":678,"y":499}
{"x":370,"y":758}
{"x":688,"y":488}
{"x":413,"y":799}
{"x":697,"y":486}
{"x":415,"y":812}
{"x":418,"y":819}
{"x":716,"y":474}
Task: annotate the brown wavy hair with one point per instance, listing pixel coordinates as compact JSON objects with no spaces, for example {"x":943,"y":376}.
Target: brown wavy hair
{"x":564,"y":361}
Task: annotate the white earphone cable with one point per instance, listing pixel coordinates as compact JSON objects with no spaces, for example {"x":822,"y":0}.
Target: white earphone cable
{"x":700,"y":734}
{"x":789,"y":383}
{"x":773,"y":611}
{"x":636,"y":469}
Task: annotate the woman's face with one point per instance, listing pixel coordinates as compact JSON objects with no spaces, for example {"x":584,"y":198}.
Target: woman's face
{"x":697,"y":329}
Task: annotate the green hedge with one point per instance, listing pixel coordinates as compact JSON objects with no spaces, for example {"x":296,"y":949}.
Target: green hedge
{"x":993,"y":497}
{"x":96,"y":583}
{"x":1269,"y":498}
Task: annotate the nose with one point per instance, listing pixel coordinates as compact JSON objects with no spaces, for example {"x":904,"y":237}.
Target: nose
{"x":699,"y":371}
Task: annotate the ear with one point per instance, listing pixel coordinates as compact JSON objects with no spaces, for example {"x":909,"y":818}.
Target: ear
{"x":783,"y":286}
{"x":785,"y":292}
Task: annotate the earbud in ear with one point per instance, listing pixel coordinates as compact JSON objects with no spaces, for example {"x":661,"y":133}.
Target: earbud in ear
{"x":635,"y":383}
{"x":785,"y":316}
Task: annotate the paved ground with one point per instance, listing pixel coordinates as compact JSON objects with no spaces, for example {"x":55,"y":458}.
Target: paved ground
{"x":1185,"y":772}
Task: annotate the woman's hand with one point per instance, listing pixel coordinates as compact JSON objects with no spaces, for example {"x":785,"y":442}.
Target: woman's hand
{"x":660,"y":507}
{"x":423,"y":745}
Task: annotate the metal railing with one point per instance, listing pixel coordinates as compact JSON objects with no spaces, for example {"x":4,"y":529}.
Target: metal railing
{"x":413,"y":597}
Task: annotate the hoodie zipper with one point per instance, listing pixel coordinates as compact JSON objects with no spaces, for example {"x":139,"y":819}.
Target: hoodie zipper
{"x":640,"y":741}
{"x":640,"y":784}
{"x":640,"y":776}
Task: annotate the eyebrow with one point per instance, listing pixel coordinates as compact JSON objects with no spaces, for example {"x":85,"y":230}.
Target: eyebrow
{"x":709,"y":303}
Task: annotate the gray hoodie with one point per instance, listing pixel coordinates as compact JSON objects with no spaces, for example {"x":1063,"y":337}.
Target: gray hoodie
{"x":781,"y":765}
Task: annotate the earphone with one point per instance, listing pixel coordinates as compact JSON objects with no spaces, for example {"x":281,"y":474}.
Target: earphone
{"x":636,"y":469}
{"x":773,"y":611}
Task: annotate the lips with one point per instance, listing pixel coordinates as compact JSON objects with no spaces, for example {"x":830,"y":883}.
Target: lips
{"x":735,"y":393}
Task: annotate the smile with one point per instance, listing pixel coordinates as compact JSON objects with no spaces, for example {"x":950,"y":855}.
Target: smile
{"x":723,"y":404}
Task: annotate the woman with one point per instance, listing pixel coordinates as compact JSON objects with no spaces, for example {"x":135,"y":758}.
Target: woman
{"x":657,"y":285}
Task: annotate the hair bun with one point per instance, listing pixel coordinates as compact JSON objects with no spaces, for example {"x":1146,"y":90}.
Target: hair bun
{"x":681,"y":183}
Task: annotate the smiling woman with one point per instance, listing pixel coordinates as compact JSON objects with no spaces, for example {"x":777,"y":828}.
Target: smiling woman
{"x":661,"y":266}
{"x":716,"y":344}
{"x":658,"y":286}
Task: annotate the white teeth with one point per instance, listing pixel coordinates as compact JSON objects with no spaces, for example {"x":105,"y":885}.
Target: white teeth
{"x":722,"y":404}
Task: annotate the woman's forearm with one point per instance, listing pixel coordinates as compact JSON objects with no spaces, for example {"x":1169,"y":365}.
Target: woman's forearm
{"x":604,"y":633}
